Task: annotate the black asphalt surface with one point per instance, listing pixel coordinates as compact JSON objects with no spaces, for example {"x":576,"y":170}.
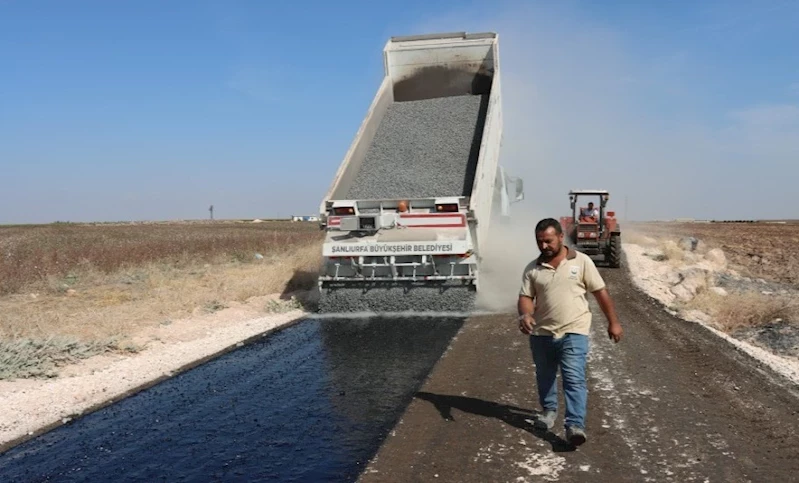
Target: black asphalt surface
{"x":309,"y":403}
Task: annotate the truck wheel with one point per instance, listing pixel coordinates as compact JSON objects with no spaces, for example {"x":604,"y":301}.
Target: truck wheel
{"x":615,"y":251}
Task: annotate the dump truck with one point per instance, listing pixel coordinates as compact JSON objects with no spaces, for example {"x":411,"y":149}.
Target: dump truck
{"x":416,"y":194}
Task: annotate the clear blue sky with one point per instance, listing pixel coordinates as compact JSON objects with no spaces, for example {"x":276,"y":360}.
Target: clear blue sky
{"x":155,"y":110}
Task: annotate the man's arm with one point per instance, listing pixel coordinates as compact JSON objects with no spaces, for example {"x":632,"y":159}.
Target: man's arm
{"x":526,"y":307}
{"x":615,"y":331}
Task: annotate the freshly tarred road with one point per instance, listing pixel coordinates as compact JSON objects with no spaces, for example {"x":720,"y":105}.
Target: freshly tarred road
{"x":671,"y":402}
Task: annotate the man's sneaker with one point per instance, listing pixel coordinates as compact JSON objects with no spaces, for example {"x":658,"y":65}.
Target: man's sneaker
{"x":575,"y":435}
{"x":545,"y":420}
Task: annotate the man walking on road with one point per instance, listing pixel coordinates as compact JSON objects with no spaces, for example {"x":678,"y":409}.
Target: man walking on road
{"x":554,"y":311}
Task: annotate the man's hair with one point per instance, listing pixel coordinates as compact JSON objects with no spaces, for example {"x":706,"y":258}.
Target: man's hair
{"x":590,"y":203}
{"x":546,"y":223}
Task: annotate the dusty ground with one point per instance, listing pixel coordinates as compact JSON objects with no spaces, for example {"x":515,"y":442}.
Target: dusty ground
{"x":33,"y":405}
{"x":761,"y":305}
{"x":760,"y":250}
{"x":672,"y":402}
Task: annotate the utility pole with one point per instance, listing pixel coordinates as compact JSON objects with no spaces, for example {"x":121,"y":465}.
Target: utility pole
{"x":211,"y":209}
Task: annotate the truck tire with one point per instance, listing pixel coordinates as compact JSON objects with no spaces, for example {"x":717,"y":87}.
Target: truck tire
{"x":614,"y":253}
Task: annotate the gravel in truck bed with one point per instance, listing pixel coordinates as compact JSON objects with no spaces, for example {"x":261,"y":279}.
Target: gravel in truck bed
{"x":423,"y":148}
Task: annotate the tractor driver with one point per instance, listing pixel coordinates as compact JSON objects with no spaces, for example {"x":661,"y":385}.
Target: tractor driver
{"x":590,"y":214}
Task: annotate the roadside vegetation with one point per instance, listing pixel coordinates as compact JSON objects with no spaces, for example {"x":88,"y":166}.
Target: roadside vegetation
{"x":750,"y":299}
{"x":745,"y":310}
{"x":53,"y":257}
{"x":70,"y":291}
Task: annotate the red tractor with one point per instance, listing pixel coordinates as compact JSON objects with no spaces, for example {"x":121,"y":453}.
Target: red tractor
{"x":591,"y":229}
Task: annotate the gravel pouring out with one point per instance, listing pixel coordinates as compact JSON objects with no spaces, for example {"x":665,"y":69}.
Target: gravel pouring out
{"x":423,"y":148}
{"x":445,"y":297}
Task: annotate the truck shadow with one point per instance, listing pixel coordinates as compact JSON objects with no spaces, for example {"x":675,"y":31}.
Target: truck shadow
{"x":515,"y":416}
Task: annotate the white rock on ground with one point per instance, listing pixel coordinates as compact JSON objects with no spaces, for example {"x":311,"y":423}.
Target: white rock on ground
{"x":717,"y":258}
{"x":694,"y":278}
{"x":682,"y":293}
{"x":651,"y":275}
{"x":719,"y":291}
{"x":669,"y":274}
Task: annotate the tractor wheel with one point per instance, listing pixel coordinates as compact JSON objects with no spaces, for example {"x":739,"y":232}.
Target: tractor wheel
{"x":615,"y":251}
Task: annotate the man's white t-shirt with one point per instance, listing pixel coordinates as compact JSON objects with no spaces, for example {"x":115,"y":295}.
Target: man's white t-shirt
{"x":590,"y":212}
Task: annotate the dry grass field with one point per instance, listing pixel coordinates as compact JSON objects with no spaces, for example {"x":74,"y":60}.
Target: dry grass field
{"x":49,"y":256}
{"x":68,"y":291}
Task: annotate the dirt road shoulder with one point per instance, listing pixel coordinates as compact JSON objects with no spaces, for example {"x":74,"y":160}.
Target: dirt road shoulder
{"x":672,"y":402}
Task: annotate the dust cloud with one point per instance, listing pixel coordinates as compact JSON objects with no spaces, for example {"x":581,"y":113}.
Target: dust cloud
{"x":587,"y":105}
{"x":509,"y":248}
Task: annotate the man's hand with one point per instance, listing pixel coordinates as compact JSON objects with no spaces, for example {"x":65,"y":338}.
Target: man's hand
{"x":615,"y":332}
{"x":526,"y":308}
{"x":606,"y":304}
{"x":526,"y":323}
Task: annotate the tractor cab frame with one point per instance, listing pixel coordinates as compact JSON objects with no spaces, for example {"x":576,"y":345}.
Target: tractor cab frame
{"x":600,"y":236}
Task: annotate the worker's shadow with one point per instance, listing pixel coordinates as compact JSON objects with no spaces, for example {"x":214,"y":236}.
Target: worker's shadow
{"x":517,"y":417}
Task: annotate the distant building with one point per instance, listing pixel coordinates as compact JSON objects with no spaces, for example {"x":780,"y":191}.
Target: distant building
{"x":304,"y":218}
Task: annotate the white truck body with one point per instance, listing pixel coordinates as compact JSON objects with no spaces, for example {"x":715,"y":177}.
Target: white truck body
{"x":420,"y":239}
